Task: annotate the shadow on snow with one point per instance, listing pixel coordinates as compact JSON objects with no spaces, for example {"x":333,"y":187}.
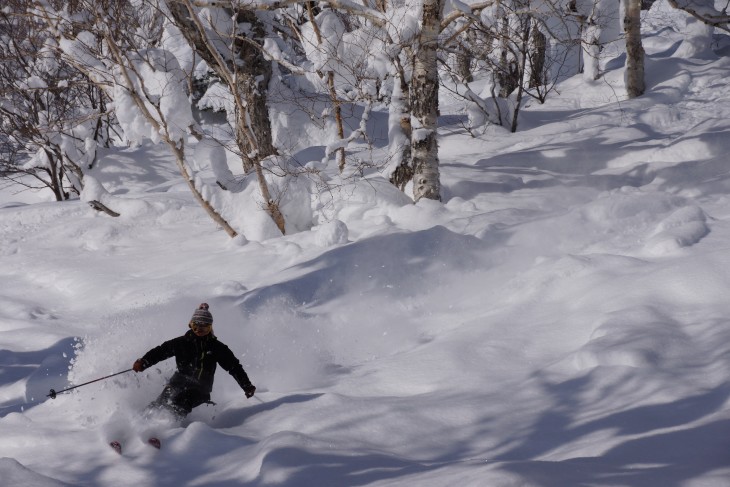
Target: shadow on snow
{"x":667,"y":458}
{"x":42,"y":370}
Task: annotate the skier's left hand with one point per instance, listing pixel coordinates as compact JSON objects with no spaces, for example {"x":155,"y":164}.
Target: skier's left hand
{"x":249,"y":389}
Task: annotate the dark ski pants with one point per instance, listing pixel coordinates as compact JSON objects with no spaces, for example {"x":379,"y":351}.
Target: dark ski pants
{"x":179,"y":400}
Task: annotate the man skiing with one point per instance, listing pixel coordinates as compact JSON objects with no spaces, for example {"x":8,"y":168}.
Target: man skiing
{"x":197,"y":353}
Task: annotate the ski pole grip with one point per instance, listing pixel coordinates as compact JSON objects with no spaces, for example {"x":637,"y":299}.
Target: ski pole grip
{"x":52,"y":395}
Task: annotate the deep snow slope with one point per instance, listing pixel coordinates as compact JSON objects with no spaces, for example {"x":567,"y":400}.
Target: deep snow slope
{"x":560,"y":319}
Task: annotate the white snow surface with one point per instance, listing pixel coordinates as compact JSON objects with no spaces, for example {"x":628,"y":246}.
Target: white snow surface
{"x":560,"y":319}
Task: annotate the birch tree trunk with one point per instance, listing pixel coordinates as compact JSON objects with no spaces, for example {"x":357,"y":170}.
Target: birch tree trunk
{"x":400,"y":109}
{"x":425,"y":105}
{"x":591,"y":50}
{"x":635,"y":85}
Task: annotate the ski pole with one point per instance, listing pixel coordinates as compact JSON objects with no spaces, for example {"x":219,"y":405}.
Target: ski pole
{"x":53,"y":393}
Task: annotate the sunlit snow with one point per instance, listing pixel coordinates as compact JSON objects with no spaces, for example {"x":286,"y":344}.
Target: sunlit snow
{"x":561,"y":319}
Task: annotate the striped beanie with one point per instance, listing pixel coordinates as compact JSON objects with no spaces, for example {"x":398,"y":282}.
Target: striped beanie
{"x":202,"y":315}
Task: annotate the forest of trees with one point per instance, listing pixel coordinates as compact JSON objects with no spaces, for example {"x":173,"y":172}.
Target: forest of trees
{"x":83,"y":74}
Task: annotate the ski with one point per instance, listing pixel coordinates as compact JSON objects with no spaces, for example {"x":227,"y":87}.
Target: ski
{"x":154,"y":442}
{"x":116,"y":446}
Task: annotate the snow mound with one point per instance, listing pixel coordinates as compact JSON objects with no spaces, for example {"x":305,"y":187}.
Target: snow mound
{"x":682,"y":228}
{"x":15,"y":473}
{"x":633,"y":338}
{"x":331,"y":233}
{"x":627,"y":219}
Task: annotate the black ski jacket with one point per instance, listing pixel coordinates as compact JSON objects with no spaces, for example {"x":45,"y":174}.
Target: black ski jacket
{"x":196,"y":359}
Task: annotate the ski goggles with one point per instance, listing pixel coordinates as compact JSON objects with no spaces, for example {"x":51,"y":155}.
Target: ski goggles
{"x":196,"y":324}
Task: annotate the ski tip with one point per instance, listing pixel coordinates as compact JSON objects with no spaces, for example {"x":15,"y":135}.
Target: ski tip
{"x":116,"y":446}
{"x":154,"y":442}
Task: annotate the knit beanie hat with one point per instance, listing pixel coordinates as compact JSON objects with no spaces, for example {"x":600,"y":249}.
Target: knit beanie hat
{"x":202,"y":315}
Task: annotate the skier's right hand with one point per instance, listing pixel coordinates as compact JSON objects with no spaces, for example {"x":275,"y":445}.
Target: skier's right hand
{"x":139,"y":365}
{"x":249,"y":389}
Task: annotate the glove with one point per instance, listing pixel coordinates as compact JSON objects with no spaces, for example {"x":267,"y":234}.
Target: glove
{"x":139,"y":365}
{"x":249,"y":389}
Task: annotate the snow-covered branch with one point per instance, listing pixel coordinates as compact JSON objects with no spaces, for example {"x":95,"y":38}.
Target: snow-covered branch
{"x":462,"y":10}
{"x":373,"y":15}
{"x":704,"y":12}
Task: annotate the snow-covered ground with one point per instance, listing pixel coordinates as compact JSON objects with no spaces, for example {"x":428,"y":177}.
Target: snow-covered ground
{"x":561,"y":319}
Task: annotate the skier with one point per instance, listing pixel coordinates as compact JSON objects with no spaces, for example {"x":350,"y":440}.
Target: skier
{"x":196,"y":353}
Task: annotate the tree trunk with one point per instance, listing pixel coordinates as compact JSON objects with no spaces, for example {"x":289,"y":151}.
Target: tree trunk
{"x":463,"y":60}
{"x":425,"y":105}
{"x":56,"y":183}
{"x":255,"y":72}
{"x":99,"y":206}
{"x":591,"y":44}
{"x":635,"y":84}
{"x":248,"y":77}
{"x":538,"y":49}
{"x":338,"y":119}
{"x":332,"y":90}
{"x":508,"y":72}
{"x":525,"y":23}
{"x":401,"y":142}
